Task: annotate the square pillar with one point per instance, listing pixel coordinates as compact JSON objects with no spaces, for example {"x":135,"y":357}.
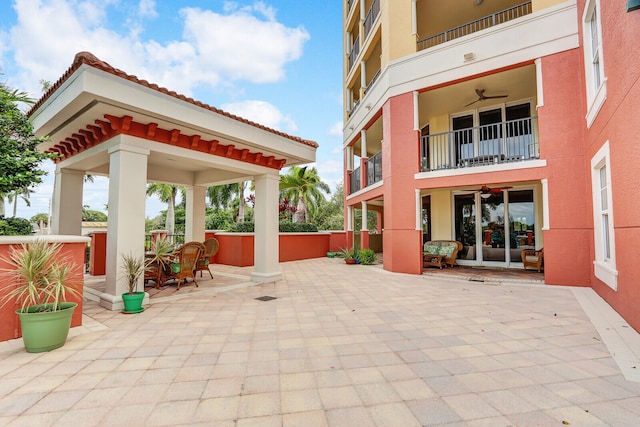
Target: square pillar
{"x":66,"y":206}
{"x":194,"y":226}
{"x":266,"y":240}
{"x":125,"y":232}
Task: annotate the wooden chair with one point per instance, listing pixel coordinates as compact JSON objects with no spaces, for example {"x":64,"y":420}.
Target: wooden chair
{"x":533,"y":258}
{"x":210,"y":249}
{"x":185,"y":262}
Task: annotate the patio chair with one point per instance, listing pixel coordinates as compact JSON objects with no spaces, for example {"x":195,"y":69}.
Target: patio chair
{"x":185,"y":262}
{"x":533,"y":258}
{"x":210,"y":249}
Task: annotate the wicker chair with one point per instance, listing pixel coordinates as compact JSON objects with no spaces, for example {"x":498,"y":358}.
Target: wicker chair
{"x":185,"y":262}
{"x":533,"y":258}
{"x":210,"y":249}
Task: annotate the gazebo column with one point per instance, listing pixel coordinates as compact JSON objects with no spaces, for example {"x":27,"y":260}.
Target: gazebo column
{"x":125,"y":232}
{"x":194,"y":226}
{"x":67,"y":202}
{"x":266,"y":243}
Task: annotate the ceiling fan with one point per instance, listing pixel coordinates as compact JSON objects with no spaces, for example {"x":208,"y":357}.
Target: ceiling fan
{"x":482,"y":97}
{"x":486,"y":192}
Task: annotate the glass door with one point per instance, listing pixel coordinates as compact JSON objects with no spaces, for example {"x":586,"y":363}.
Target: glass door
{"x":465,"y":225}
{"x":492,"y":210}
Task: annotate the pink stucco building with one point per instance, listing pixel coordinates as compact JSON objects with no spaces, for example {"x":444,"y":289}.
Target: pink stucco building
{"x":505,"y":125}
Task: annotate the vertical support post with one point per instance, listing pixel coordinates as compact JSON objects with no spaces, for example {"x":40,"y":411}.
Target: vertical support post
{"x":266,"y":236}
{"x":194,"y":226}
{"x":125,"y":232}
{"x":67,"y":202}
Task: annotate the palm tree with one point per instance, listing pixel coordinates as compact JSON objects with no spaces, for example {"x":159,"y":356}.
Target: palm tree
{"x":167,"y":194}
{"x":303,"y":186}
{"x":221,"y":196}
{"x":23,"y":193}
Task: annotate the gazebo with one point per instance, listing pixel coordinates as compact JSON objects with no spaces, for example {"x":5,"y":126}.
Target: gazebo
{"x":105,"y":122}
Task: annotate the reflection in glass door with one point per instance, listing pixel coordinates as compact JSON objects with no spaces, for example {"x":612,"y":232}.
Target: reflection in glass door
{"x":501,"y":241}
{"x":493,"y":236}
{"x":465,"y":225}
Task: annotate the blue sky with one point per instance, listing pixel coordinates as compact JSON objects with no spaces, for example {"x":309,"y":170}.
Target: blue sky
{"x":277,"y":62}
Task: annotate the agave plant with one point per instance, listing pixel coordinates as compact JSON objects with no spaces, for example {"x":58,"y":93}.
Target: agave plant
{"x":162,"y":250}
{"x":38,"y":275}
{"x":132,"y":268}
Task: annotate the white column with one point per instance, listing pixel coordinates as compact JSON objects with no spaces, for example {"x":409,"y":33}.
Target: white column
{"x":194,"y":226}
{"x":414,"y":18}
{"x":416,"y":111}
{"x":266,"y":236}
{"x":67,"y":202}
{"x":418,"y":210}
{"x":364,"y":226}
{"x":349,"y":218}
{"x":125,"y":232}
{"x":363,"y":144}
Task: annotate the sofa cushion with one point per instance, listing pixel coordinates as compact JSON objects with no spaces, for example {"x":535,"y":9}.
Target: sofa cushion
{"x":432,"y":249}
{"x":446,"y":250}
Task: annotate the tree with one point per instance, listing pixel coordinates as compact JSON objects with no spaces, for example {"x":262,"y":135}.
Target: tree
{"x":167,"y":194}
{"x":222,"y":196}
{"x":19,"y":156}
{"x":330,"y":214}
{"x":23,"y":193}
{"x":303,"y":186}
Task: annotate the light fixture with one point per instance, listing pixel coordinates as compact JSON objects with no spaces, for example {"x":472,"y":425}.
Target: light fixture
{"x":485,"y":195}
{"x":633,"y":5}
{"x":469,"y":56}
{"x":477,"y":2}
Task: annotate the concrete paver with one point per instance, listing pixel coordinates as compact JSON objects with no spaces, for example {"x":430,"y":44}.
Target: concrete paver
{"x":339,"y":346}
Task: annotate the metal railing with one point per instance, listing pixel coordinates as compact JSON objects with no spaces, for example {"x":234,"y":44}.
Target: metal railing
{"x":355,"y":51}
{"x":505,"y":142}
{"x":355,"y":181}
{"x":176,"y":239}
{"x":374,"y":168}
{"x":373,"y":80}
{"x":372,"y":14}
{"x":477,"y":25}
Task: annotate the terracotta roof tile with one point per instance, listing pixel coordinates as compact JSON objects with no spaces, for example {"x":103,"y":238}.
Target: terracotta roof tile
{"x":92,"y":61}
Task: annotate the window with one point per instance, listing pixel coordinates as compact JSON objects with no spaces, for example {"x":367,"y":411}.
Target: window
{"x":594,"y":67}
{"x":604,"y":241}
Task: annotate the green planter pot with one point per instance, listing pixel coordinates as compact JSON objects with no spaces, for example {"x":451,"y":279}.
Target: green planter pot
{"x":133,"y":303}
{"x":45,"y":331}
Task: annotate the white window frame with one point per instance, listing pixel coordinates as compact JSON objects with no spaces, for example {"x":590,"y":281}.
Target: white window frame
{"x":604,"y":267}
{"x":596,"y":95}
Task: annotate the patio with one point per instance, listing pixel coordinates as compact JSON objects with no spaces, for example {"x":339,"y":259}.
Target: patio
{"x":339,"y":346}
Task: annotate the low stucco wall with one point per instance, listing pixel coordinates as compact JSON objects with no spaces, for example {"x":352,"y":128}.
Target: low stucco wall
{"x":73,"y":247}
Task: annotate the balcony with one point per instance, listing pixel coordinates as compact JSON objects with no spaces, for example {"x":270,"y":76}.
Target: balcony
{"x":477,"y":25}
{"x":350,"y":5}
{"x":355,"y":51}
{"x":373,"y":80}
{"x":374,"y":168}
{"x":506,"y":142}
{"x":372,"y":14}
{"x":355,"y":181}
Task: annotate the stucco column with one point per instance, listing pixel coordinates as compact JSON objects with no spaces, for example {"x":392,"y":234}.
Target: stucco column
{"x":66,"y":206}
{"x":125,"y":232}
{"x":194,"y":226}
{"x":266,"y":237}
{"x":364,"y":230}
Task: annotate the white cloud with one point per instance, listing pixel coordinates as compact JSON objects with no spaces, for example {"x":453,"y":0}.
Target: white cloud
{"x":147,"y":8}
{"x":242,"y":44}
{"x":336,"y":129}
{"x":262,"y":112}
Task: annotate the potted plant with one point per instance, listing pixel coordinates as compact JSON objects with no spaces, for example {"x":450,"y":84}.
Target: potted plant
{"x":159,"y":261}
{"x":40,"y":279}
{"x":132,"y":268}
{"x":350,"y":255}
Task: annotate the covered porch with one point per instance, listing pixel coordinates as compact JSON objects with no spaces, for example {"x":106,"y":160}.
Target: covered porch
{"x":102,"y":121}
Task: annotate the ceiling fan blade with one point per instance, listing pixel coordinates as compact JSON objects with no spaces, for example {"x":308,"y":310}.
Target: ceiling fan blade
{"x":471,"y":103}
{"x":495,"y":96}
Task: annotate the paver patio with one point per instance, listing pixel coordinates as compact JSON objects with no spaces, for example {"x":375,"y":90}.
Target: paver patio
{"x":340,"y":346}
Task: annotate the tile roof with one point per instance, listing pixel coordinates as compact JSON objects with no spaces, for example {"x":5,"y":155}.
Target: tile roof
{"x":92,"y":61}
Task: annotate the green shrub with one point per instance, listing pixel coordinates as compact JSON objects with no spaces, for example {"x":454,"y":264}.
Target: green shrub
{"x":284,"y":227}
{"x":15,"y":227}
{"x":219,"y":220}
{"x":367,"y":256}
{"x":295,"y":227}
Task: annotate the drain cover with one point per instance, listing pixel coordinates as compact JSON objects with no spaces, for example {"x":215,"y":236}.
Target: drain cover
{"x":266,"y":298}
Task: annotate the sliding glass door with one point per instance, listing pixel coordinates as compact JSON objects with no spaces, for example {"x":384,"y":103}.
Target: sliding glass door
{"x":494,"y":227}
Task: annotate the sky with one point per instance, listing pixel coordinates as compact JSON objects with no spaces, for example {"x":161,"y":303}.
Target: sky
{"x":276,"y":62}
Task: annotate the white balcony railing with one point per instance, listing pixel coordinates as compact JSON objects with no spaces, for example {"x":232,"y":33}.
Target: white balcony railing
{"x":477,"y":25}
{"x":505,"y":142}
